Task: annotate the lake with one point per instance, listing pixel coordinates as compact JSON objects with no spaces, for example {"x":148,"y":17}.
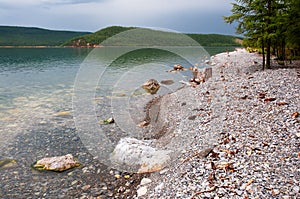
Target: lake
{"x":38,"y":87}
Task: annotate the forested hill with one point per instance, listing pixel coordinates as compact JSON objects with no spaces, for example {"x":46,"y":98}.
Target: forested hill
{"x":101,"y":35}
{"x":27,"y":36}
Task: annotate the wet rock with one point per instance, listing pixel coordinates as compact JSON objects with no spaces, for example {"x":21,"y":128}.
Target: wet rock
{"x":167,"y":82}
{"x":59,"y":163}
{"x":143,"y":124}
{"x":178,"y":67}
{"x":151,"y":86}
{"x":7,"y":163}
{"x":62,"y":113}
{"x":108,"y":121}
{"x":139,"y":156}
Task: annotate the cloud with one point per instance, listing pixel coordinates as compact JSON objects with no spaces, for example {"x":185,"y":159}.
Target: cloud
{"x":91,"y":15}
{"x":71,"y":1}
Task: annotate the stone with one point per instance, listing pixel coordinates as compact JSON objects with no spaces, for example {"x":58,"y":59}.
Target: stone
{"x":151,"y":86}
{"x":167,"y":82}
{"x":145,"y":181}
{"x":59,"y":163}
{"x":159,"y":187}
{"x":108,"y":121}
{"x":7,"y":163}
{"x":86,"y":187}
{"x":138,"y":156}
{"x":62,"y":113}
{"x":178,"y":67}
{"x":142,"y":191}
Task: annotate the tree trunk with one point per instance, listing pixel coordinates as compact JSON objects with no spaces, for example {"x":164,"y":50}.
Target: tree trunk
{"x":263,"y":53}
{"x":268,"y":64}
{"x":268,"y":41}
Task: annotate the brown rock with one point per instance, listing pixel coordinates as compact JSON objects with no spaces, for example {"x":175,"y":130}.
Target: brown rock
{"x":59,"y":163}
{"x":151,"y":86}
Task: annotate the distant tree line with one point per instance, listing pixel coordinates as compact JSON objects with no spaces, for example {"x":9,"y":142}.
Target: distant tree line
{"x":270,"y":25}
{"x":29,"y":36}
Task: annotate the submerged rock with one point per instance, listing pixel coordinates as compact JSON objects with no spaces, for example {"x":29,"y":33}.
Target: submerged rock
{"x":108,"y":121}
{"x":7,"y":163}
{"x":59,"y":163}
{"x":178,"y":67}
{"x":139,"y":156}
{"x":167,"y":82}
{"x":151,"y":86}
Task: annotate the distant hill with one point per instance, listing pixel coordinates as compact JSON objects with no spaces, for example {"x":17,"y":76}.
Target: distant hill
{"x":216,"y":39}
{"x":27,"y":36}
{"x":103,"y":34}
{"x":97,"y":37}
{"x":30,"y":36}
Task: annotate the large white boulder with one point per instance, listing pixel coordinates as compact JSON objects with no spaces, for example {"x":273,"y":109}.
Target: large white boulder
{"x":139,"y":156}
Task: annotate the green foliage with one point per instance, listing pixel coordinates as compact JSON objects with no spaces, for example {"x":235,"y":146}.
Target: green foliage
{"x":216,"y":39}
{"x":97,"y":37}
{"x":273,"y":25}
{"x":161,"y":38}
{"x":23,"y":36}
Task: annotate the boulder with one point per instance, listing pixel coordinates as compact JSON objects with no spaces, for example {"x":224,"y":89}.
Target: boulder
{"x":139,"y":156}
{"x":178,"y":67}
{"x":151,"y":86}
{"x":59,"y":163}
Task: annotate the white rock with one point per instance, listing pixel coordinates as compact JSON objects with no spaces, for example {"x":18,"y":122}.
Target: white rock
{"x":138,"y":156}
{"x":159,"y":187}
{"x":142,"y":191}
{"x":145,"y":181}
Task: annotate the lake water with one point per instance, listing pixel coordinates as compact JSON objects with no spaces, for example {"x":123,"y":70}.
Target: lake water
{"x":36,"y":92}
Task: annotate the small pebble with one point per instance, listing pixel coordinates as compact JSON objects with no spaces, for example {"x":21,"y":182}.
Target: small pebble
{"x":142,"y":191}
{"x":145,"y":181}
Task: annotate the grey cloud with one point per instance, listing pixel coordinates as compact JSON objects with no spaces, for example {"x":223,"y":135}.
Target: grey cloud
{"x":73,"y":1}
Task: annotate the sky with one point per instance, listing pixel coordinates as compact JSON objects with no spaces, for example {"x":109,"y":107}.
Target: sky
{"x":186,"y":16}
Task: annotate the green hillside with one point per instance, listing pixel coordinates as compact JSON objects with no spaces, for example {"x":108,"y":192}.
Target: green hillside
{"x":26,"y":36}
{"x":138,"y":37}
{"x":97,"y":37}
{"x":216,"y":40}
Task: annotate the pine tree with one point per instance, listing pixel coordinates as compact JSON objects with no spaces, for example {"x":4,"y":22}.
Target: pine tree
{"x":273,"y":25}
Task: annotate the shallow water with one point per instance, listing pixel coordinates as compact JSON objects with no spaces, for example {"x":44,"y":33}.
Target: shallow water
{"x":36,"y":107}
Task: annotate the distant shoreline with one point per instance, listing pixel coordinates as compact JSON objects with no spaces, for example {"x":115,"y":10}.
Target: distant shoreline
{"x":48,"y":47}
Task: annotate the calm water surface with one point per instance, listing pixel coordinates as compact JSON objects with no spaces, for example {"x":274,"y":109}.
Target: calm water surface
{"x":36,"y":113}
{"x":36,"y":84}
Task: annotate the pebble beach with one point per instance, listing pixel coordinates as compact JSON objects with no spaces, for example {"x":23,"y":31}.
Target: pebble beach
{"x":236,"y":135}
{"x":243,"y":130}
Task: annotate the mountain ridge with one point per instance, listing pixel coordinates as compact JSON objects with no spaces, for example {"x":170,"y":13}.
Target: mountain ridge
{"x":35,"y":36}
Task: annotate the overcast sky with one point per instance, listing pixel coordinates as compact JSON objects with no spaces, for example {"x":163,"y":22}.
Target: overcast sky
{"x":187,"y":16}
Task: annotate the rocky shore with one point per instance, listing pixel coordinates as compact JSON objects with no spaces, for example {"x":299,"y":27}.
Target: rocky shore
{"x":237,"y":135}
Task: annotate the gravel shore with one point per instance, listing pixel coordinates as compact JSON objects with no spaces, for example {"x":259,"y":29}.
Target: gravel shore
{"x":235,"y":136}
{"x":238,"y":134}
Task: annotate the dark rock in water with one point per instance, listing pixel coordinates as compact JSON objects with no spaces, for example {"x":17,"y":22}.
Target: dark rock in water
{"x":59,"y":163}
{"x":151,"y":86}
{"x":167,"y":82}
{"x":178,"y":67}
{"x":108,"y":121}
{"x":7,"y":163}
